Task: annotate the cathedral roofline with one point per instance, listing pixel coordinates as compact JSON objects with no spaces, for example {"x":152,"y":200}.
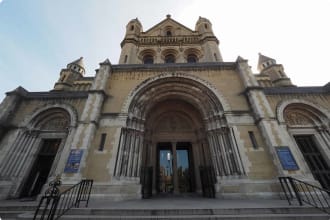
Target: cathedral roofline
{"x":168,"y":17}
{"x":297,"y":90}
{"x":48,"y":95}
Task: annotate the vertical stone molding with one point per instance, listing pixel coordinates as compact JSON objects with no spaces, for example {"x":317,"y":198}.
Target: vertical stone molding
{"x":263,"y":113}
{"x":91,"y":115}
{"x":225,"y":156}
{"x":129,"y":153}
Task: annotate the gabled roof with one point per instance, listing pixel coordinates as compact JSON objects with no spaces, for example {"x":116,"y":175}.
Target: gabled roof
{"x":171,"y":22}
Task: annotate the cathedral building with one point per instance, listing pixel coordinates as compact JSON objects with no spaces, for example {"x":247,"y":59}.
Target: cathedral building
{"x":170,"y":118}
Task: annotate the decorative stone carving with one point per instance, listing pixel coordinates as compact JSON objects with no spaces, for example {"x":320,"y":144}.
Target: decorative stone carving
{"x":296,"y":118}
{"x":58,"y":123}
{"x":173,"y":123}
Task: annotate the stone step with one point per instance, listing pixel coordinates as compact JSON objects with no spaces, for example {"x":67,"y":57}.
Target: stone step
{"x":170,"y":208}
{"x":11,"y":209}
{"x":242,"y":213}
{"x":321,"y":216}
{"x":168,"y":212}
{"x":15,"y":208}
{"x":9,"y":214}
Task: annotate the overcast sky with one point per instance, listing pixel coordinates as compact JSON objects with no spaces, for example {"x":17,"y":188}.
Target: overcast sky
{"x":38,"y":38}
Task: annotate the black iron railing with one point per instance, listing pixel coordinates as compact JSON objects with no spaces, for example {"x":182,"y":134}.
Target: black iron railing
{"x":54,"y":203}
{"x":208,"y":180}
{"x":303,"y":192}
{"x":146,"y":181}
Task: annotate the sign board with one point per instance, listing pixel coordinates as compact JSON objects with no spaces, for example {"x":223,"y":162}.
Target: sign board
{"x":287,"y":160}
{"x":73,"y":163}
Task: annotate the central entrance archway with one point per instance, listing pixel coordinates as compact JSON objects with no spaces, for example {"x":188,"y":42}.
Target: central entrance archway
{"x":176,"y":126}
{"x":175,"y":131}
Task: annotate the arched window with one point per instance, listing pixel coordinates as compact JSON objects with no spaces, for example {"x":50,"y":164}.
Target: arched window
{"x":148,"y":59}
{"x":125,"y":59}
{"x":168,"y":33}
{"x":192,"y":58}
{"x":169,"y":58}
{"x":132,"y":27}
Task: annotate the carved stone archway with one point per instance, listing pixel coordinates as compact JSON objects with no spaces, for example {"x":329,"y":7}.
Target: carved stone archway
{"x":308,"y":127}
{"x":194,"y":103}
{"x":43,"y":125}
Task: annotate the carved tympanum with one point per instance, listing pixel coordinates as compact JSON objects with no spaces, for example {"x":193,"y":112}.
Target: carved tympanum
{"x":57,"y":123}
{"x":296,"y":118}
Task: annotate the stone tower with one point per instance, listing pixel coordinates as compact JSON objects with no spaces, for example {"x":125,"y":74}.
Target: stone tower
{"x":169,"y":42}
{"x":73,"y":72}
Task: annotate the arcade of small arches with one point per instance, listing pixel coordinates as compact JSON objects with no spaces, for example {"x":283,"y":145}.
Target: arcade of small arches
{"x":191,"y":55}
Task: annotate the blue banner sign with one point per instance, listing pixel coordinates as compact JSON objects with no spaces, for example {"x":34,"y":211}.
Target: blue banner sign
{"x":73,"y":163}
{"x":287,"y":160}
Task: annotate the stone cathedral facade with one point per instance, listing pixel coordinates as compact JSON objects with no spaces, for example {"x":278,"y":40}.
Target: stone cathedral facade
{"x":171,"y":106}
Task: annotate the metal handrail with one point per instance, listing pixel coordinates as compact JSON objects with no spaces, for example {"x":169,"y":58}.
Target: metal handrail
{"x":305,"y":193}
{"x":55,"y":204}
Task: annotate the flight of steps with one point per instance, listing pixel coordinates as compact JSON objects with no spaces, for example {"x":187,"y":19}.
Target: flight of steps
{"x":10,"y":210}
{"x":224,"y":214}
{"x":22,"y":211}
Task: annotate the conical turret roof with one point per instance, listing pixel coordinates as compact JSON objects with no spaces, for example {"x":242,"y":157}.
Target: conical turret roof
{"x":79,"y":62}
{"x":264,"y":59}
{"x":77,"y":65}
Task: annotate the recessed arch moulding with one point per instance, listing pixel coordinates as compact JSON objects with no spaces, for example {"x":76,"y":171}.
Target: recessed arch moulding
{"x":304,"y":117}
{"x":191,"y":100}
{"x":51,"y":121}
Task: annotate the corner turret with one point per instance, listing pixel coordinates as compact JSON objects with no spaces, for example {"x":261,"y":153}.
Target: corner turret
{"x":210,"y":42}
{"x":74,"y":71}
{"x":204,"y":26}
{"x":129,"y":44}
{"x":267,"y":66}
{"x":77,"y":66}
{"x":134,"y":27}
